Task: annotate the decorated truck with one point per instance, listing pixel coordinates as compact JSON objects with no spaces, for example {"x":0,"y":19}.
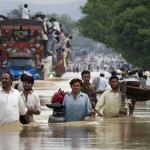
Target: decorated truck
{"x":21,"y":47}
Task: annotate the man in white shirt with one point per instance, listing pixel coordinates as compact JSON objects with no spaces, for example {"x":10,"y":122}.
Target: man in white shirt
{"x":11,"y":103}
{"x":31,"y":100}
{"x":112,"y":101}
{"x":25,"y":72}
{"x":20,"y":85}
{"x":55,"y":24}
{"x":47,"y":65}
{"x":100,"y":84}
{"x":103,"y":83}
{"x":65,"y":41}
{"x":25,"y":12}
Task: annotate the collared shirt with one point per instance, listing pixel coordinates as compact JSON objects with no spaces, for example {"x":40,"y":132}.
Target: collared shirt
{"x":11,"y":105}
{"x":32,"y":101}
{"x":111,"y":102}
{"x":76,"y":109}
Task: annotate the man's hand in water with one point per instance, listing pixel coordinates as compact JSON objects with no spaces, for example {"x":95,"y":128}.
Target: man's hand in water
{"x":30,"y":110}
{"x":92,"y":113}
{"x":123,"y":111}
{"x":99,"y":114}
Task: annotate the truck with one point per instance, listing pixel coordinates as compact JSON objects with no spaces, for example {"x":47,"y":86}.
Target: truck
{"x":21,"y":46}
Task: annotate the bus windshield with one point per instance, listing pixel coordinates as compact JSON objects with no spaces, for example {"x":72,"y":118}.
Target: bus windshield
{"x":20,"y":62}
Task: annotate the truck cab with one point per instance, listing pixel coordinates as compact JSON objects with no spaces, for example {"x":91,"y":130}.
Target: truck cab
{"x":15,"y":64}
{"x":21,"y":46}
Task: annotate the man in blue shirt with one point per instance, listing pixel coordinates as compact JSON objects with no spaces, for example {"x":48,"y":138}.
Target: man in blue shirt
{"x":77,"y":104}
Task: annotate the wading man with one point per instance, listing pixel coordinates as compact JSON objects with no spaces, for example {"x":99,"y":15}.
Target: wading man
{"x":31,"y":100}
{"x":77,"y":104}
{"x":111,"y":101}
{"x":11,"y":103}
{"x":88,"y":88}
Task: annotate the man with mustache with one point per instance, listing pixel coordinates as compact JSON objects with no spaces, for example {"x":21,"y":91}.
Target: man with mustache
{"x":11,"y":103}
{"x":31,"y":100}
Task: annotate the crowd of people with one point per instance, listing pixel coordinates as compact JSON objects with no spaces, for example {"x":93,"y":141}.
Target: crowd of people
{"x":101,"y":97}
{"x":104,"y":96}
{"x":17,"y":105}
{"x":56,"y":41}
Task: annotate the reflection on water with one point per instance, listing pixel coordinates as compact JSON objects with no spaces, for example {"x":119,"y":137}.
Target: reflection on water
{"x":111,"y":133}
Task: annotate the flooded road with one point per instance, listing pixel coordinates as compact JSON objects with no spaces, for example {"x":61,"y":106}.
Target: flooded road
{"x":132,"y":132}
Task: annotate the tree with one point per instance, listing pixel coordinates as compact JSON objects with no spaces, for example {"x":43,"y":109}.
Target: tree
{"x":67,"y":23}
{"x":16,"y":13}
{"x":123,"y":25}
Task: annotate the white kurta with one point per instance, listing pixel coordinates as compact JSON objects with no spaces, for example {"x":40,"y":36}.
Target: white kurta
{"x":56,"y":24}
{"x":25,"y":13}
{"x":32,"y":101}
{"x":11,"y":105}
{"x":47,"y":65}
{"x":44,"y":36}
{"x":111,"y":103}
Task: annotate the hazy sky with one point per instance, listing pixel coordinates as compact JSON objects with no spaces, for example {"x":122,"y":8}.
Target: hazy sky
{"x":43,"y":1}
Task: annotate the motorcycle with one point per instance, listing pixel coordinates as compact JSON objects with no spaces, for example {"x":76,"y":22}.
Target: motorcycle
{"x":58,"y":108}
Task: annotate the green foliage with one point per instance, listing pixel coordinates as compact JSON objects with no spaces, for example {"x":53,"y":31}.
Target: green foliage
{"x":83,"y":42}
{"x":67,"y":23}
{"x":15,"y":13}
{"x":121,"y":24}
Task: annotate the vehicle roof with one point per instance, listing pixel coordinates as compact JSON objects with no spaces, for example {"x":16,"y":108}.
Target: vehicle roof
{"x":13,"y":22}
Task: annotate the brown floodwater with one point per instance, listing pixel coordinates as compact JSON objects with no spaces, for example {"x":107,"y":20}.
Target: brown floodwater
{"x":131,"y":132}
